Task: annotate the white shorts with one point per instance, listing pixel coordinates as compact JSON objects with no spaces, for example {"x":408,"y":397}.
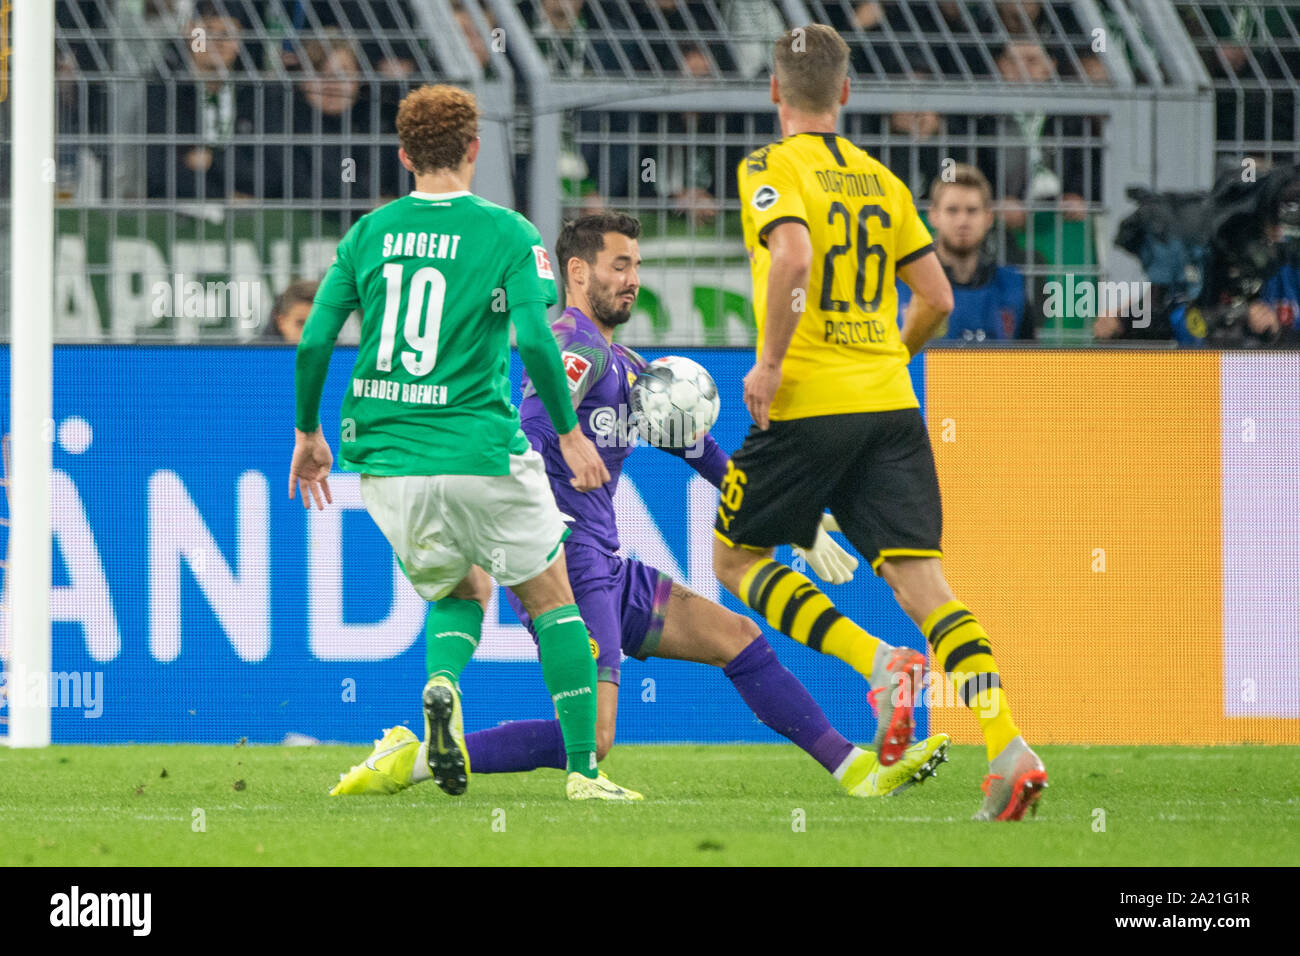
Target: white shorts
{"x":440,"y":525}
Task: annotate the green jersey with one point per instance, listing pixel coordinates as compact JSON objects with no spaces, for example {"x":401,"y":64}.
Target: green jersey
{"x":435,"y":278}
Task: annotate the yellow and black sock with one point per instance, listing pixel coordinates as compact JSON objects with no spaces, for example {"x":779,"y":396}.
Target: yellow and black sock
{"x":794,"y":606}
{"x":962,"y":649}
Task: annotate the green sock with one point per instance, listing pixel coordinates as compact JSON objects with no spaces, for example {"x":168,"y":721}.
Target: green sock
{"x":451,"y":632}
{"x":570,"y":674}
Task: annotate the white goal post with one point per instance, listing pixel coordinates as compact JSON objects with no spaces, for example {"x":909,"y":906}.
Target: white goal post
{"x":31,"y":329}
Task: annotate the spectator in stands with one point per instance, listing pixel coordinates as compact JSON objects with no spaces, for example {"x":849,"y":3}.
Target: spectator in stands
{"x":81,"y":107}
{"x":863,"y":27}
{"x":1024,"y":60}
{"x":569,"y":42}
{"x":686,"y":174}
{"x":473,"y":39}
{"x":1248,"y":51}
{"x":1223,"y":47}
{"x":750,"y":23}
{"x":916,"y":159}
{"x":965,"y":55}
{"x":685,"y":31}
{"x":1031,"y":21}
{"x":331,"y":101}
{"x":1027,"y":174}
{"x":695,"y":62}
{"x":159,"y":19}
{"x":988,"y":300}
{"x":1020,"y":18}
{"x":290,"y":311}
{"x":387,"y":40}
{"x":573,"y":46}
{"x":387,"y":28}
{"x":559,"y":28}
{"x":195,"y":100}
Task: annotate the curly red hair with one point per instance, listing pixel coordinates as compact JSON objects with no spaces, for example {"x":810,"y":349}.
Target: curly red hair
{"x":435,"y":125}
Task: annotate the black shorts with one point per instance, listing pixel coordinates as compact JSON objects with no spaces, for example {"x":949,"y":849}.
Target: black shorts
{"x":874,"y":471}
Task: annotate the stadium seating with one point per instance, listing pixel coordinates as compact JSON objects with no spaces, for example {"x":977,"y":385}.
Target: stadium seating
{"x":248,"y":151}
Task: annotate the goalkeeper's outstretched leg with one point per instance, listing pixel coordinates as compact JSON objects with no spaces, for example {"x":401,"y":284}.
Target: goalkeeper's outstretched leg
{"x":696,"y":629}
{"x":792,"y":604}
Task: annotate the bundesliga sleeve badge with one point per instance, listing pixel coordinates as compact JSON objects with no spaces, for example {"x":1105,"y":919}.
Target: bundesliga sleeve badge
{"x":764,"y":198}
{"x":575,"y":369}
{"x":543,"y":263}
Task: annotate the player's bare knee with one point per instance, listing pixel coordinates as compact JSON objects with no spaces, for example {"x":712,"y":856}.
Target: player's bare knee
{"x":740,"y":633}
{"x":910,"y":598}
{"x":918,"y":586}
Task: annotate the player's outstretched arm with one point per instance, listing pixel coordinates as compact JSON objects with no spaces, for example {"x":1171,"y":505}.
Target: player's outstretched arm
{"x":931,"y":300}
{"x":541,"y":358}
{"x":787,"y":292}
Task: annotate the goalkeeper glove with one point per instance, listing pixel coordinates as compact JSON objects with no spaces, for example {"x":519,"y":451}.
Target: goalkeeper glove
{"x":831,"y":562}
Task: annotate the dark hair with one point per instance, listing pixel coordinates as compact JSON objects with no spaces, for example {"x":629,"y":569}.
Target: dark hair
{"x":304,"y":290}
{"x":584,"y":238}
{"x":211,"y":10}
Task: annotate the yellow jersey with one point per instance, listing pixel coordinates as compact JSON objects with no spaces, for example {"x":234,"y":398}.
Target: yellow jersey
{"x":846,"y":354}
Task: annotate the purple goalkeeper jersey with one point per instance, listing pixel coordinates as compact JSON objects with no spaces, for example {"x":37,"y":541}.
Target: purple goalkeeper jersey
{"x":600,"y":383}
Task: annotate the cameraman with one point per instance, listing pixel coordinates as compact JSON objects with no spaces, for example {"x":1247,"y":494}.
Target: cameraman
{"x":1270,"y":317}
{"x":1282,"y":293}
{"x":1249,"y":296}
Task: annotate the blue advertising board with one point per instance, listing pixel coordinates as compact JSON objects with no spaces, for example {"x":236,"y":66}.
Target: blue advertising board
{"x":194,"y":602}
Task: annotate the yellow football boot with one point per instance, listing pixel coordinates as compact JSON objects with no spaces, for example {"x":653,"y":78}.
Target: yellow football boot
{"x":578,"y":787}
{"x":386,"y":770}
{"x":444,"y":729}
{"x":867,"y":778}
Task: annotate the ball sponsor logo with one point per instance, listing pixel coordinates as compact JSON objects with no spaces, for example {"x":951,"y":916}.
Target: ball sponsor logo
{"x":602,"y":421}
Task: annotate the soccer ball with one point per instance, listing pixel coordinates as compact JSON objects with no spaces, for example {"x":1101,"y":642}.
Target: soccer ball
{"x":674,"y":402}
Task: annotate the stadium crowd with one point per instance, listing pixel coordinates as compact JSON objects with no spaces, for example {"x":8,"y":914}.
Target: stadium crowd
{"x":288,"y":102}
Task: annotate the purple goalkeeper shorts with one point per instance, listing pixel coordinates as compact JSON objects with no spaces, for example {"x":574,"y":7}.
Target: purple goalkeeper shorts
{"x":622,"y":602}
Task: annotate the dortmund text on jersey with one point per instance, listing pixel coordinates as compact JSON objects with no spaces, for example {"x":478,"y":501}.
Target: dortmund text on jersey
{"x":846,"y":355}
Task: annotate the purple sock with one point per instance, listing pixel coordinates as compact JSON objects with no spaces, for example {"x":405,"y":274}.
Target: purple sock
{"x":516,"y":746}
{"x":778,"y":699}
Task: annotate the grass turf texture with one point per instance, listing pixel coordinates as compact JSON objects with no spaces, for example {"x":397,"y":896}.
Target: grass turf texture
{"x":711,"y":805}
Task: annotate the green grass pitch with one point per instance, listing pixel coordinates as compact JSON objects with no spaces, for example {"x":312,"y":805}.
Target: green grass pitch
{"x":710,"y":805}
